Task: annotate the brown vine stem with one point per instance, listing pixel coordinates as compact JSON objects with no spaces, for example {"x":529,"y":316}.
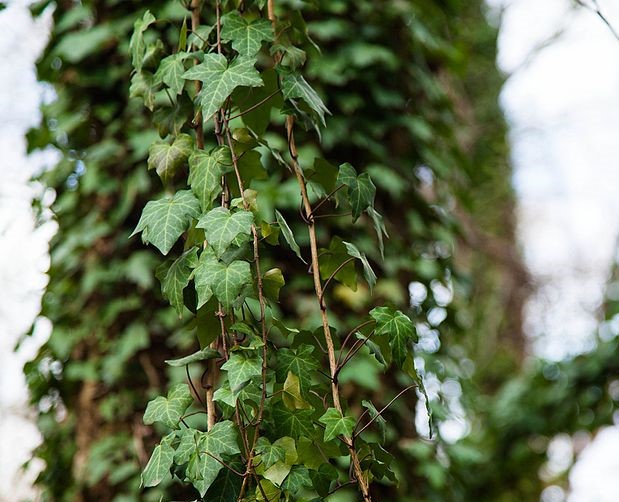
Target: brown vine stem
{"x":211,"y":376}
{"x":335,"y":391}
{"x":261,"y":299}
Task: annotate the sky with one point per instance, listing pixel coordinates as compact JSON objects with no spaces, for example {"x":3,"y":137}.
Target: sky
{"x":562,"y":105}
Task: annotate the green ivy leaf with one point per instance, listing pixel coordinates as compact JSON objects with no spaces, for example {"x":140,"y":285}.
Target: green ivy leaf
{"x":333,"y":258}
{"x":335,"y":424}
{"x":137,"y":45}
{"x":291,"y":393}
{"x":400,"y":329}
{"x":272,"y":282}
{"x":297,"y":479}
{"x":288,"y":235}
{"x":270,"y":453}
{"x":225,"y":281}
{"x":202,"y":279}
{"x":169,"y":410}
{"x":205,"y":172}
{"x":295,"y":86}
{"x":167,"y":159}
{"x":187,"y":445}
{"x":143,"y":86}
{"x":379,"y":420}
{"x":220,"y":441}
{"x":170,"y":72}
{"x":200,"y":355}
{"x":222,"y":227}
{"x":160,"y":462}
{"x":246,"y":36}
{"x":177,"y":278}
{"x":368,"y":273}
{"x":361,"y":190}
{"x":300,"y":361}
{"x":227,"y":486}
{"x":293,"y":423}
{"x":379,"y":227}
{"x":242,"y":367}
{"x":164,"y":220}
{"x":219,"y":79}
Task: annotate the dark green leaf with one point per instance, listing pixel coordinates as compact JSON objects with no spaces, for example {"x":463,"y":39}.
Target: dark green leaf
{"x":288,"y":235}
{"x":400,"y":329}
{"x":177,"y":277}
{"x":368,"y":273}
{"x":205,"y":172}
{"x":160,"y":462}
{"x":361,"y":190}
{"x":242,"y":367}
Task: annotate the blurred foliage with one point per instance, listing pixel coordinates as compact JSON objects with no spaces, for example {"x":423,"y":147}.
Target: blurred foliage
{"x":413,"y":89}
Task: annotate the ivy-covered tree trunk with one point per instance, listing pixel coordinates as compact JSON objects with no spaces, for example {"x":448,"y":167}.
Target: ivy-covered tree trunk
{"x":252,"y":203}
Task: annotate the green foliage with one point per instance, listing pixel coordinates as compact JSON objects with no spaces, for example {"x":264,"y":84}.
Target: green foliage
{"x":378,"y":74}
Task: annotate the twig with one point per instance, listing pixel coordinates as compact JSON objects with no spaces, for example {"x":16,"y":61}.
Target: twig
{"x":355,"y":434}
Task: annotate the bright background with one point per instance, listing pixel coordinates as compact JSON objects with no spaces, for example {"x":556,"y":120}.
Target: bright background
{"x":562,"y":103}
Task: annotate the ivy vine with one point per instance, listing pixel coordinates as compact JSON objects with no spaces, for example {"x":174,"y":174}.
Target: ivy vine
{"x":267,"y":420}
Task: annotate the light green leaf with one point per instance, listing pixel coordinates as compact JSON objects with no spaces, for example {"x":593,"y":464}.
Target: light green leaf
{"x":295,"y":86}
{"x":169,"y":410}
{"x":246,"y":36}
{"x":336,"y":424}
{"x":222,"y":227}
{"x":225,"y":281}
{"x":361,"y":190}
{"x":368,"y":273}
{"x":200,"y":355}
{"x":272,"y":282}
{"x":400,"y":329}
{"x":242,"y":367}
{"x":205,"y":172}
{"x":204,"y":467}
{"x":160,"y":462}
{"x":277,"y":473}
{"x":170,"y":72}
{"x":164,"y":220}
{"x":177,"y":277}
{"x":137,"y":45}
{"x":269,"y":453}
{"x":167,"y":159}
{"x":219,"y":79}
{"x":288,"y":235}
{"x":291,"y":393}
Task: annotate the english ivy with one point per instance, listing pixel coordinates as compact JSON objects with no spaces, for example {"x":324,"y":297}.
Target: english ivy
{"x":264,"y":399}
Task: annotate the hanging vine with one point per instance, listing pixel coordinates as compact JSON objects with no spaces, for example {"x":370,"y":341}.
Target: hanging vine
{"x":267,"y":420}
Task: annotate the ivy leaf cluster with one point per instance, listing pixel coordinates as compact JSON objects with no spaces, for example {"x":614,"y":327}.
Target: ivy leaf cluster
{"x":263,"y":402}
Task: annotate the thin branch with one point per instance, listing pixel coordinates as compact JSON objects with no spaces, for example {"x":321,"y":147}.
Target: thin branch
{"x":383,"y":409}
{"x":192,"y":386}
{"x":352,"y":332}
{"x":353,"y":351}
{"x":335,"y":391}
{"x":224,"y":464}
{"x":253,"y":107}
{"x":333,"y":274}
{"x":328,"y":196}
